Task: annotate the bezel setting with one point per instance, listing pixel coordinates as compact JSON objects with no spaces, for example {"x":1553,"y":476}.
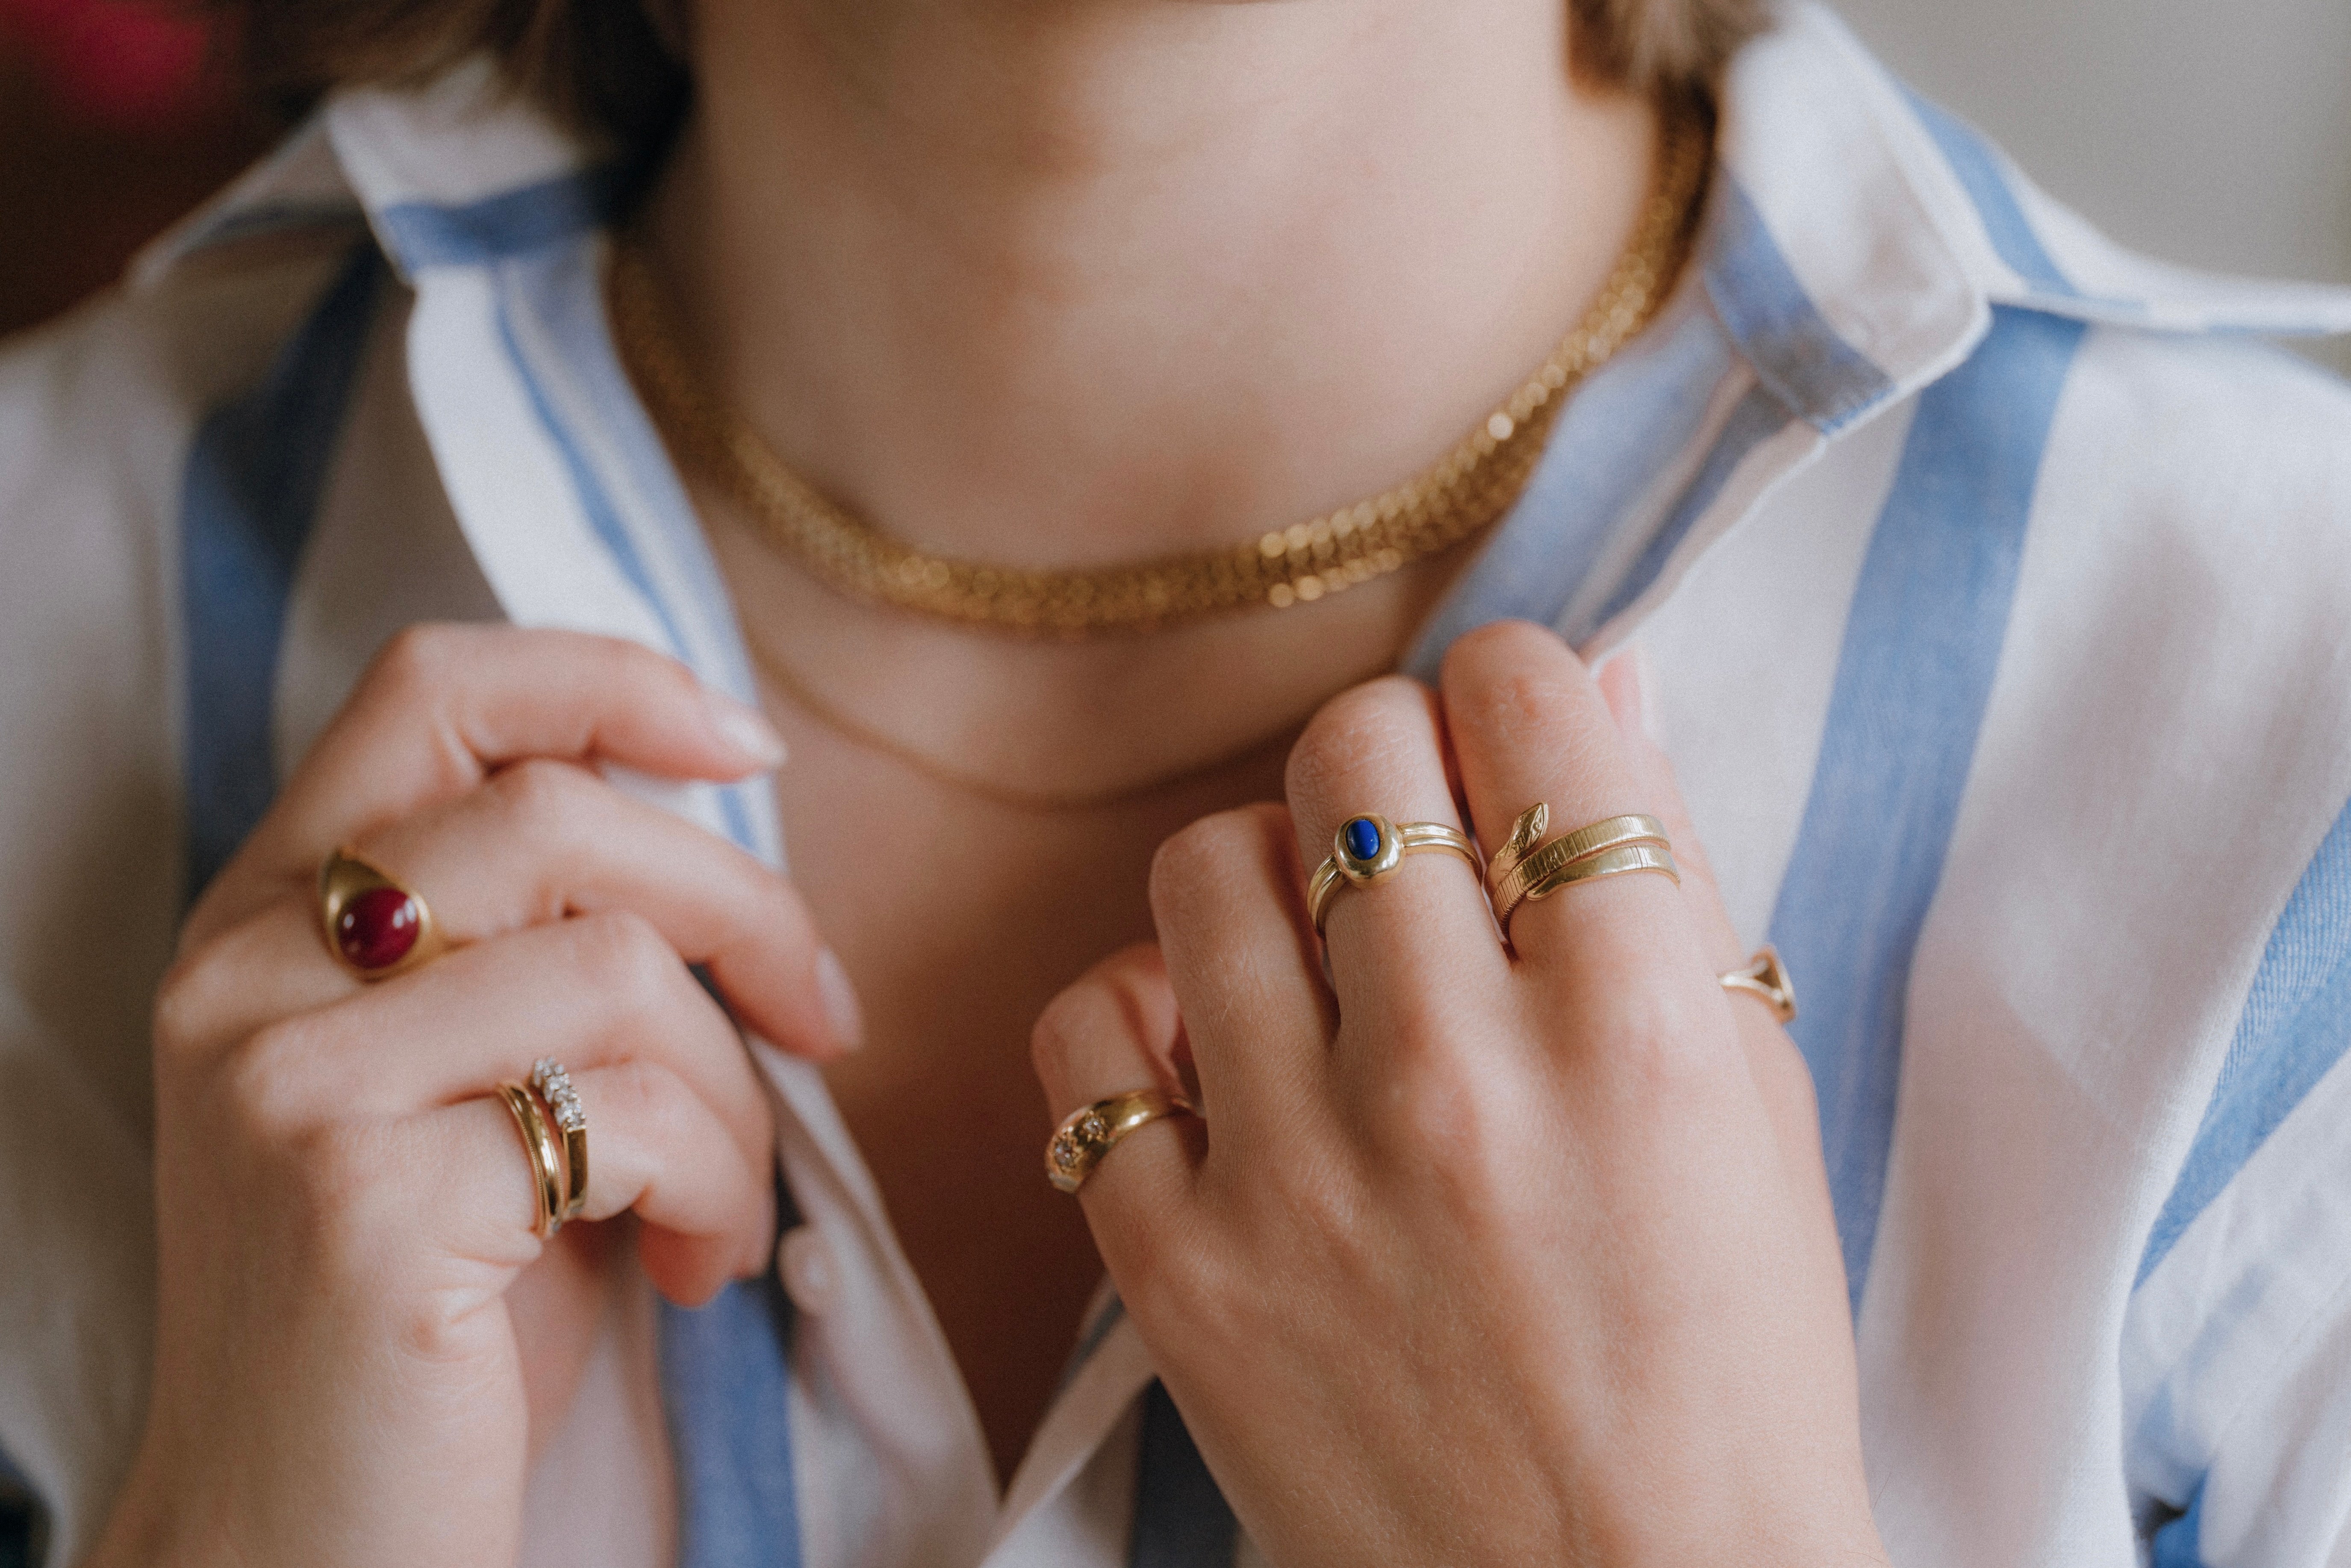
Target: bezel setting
{"x":1357,"y":869}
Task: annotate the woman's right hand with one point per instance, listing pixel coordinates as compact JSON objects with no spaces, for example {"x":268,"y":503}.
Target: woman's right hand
{"x":356,"y":1329}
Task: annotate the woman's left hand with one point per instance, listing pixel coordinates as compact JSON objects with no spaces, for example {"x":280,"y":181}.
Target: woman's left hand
{"x":1474,"y":1258}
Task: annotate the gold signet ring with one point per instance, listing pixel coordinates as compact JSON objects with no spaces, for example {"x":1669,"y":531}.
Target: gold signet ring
{"x":375,"y":927}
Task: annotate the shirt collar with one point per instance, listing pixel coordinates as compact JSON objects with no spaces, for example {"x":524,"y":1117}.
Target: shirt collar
{"x":1859,"y":236}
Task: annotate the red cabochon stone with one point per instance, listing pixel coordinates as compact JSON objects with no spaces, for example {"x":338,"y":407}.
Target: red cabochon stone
{"x":378,"y":928}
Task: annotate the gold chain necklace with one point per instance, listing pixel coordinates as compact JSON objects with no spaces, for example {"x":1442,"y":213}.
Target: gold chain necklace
{"x":1461,"y":494}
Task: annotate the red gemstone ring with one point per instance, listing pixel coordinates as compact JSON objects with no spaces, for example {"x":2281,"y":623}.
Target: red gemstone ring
{"x":374,"y":926}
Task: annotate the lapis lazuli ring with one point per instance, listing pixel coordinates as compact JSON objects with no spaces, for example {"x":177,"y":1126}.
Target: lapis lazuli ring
{"x":1367,"y":849}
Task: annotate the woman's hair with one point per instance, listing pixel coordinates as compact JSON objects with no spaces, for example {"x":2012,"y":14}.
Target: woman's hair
{"x":605,"y":67}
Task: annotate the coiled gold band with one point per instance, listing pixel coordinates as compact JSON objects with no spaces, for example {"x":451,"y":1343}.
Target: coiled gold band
{"x":1525,"y":871}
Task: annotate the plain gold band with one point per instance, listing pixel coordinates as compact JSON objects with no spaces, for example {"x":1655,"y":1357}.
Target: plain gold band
{"x":1767,"y":977}
{"x":1411,"y":838}
{"x":1086,"y":1135}
{"x":545,"y":1156}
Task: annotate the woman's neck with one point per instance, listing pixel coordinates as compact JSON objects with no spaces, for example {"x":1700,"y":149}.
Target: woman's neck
{"x":1062,"y":282}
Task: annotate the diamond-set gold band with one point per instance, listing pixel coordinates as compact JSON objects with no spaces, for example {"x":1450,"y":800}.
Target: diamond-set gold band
{"x":554,"y":1085}
{"x":1086,"y":1135}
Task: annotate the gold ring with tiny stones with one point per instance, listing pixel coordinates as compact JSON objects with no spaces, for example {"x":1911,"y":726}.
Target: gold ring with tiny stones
{"x":1085,"y":1135}
{"x":553,"y":1082}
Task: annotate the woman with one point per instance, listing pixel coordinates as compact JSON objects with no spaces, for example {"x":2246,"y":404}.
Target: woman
{"x":1456,"y":1225}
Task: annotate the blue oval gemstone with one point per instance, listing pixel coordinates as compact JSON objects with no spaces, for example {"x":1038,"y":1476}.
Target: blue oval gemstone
{"x":1363,"y":837}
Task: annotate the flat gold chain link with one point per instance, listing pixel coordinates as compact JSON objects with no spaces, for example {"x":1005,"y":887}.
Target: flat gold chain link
{"x":1461,"y":494}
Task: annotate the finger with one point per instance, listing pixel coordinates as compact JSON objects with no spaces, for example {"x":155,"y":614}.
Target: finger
{"x":539,"y":842}
{"x":545,"y":839}
{"x":1423,"y":936}
{"x":1528,"y":725}
{"x":1114,"y":1030}
{"x":1227,"y":902}
{"x":1781,"y":1073}
{"x":443,"y":707}
{"x":655,"y":1148}
{"x":595,"y":991}
{"x":1619,"y":679}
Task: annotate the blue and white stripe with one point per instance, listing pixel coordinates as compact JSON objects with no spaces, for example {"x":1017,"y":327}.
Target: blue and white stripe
{"x":2001,"y":644}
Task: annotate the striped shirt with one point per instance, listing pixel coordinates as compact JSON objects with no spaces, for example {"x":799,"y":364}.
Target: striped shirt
{"x":1995,"y":590}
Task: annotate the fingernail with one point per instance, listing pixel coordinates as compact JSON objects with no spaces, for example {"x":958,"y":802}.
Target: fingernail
{"x":744,"y":728}
{"x":840,"y":998}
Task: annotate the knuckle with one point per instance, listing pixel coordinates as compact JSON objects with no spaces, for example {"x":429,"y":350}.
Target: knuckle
{"x":1667,"y":1044}
{"x":1058,"y":1027}
{"x":1180,"y":1285}
{"x":636,"y":674}
{"x":261,"y":1079}
{"x":1364,"y":726}
{"x":345,"y":1214}
{"x":184,"y":1000}
{"x":541,"y":796}
{"x":1086,"y":1011}
{"x":647,"y":1097}
{"x":419,"y":657}
{"x":1438,"y":1103}
{"x":1203,"y":856}
{"x":1498,"y":648}
{"x":622,"y":954}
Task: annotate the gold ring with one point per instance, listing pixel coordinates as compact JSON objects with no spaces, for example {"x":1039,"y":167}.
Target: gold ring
{"x":1367,"y":849}
{"x":545,"y":1156}
{"x":1766,"y":977}
{"x":1085,"y":1135}
{"x":1523,"y":873}
{"x":549,"y":1077}
{"x":375,"y":927}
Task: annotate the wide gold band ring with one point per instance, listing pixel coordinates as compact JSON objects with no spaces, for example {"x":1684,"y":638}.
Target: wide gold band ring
{"x":1085,"y":1135}
{"x":1526,"y":870}
{"x":375,"y":927}
{"x":546,"y":1155}
{"x":1766,"y":976}
{"x":1368,"y":848}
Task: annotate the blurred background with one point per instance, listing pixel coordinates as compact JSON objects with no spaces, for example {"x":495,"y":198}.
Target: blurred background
{"x":2217,"y":135}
